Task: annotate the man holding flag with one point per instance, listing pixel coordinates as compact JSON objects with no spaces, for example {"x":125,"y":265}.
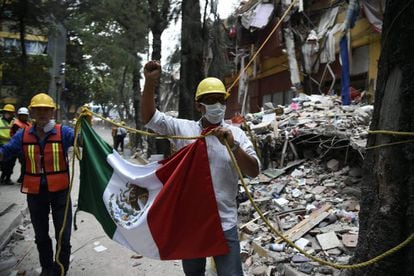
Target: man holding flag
{"x":44,"y":147}
{"x":210,"y":100}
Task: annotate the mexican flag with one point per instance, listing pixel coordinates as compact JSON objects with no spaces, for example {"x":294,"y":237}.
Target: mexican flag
{"x":164,"y":210}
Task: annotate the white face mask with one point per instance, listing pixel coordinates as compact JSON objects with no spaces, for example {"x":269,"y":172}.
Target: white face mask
{"x":49,"y":126}
{"x":214,"y":112}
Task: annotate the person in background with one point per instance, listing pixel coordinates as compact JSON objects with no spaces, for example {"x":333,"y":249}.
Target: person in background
{"x":114,"y":130}
{"x":21,"y":122}
{"x":6,"y":122}
{"x":120,"y":137}
{"x":44,"y":147}
{"x":210,"y":99}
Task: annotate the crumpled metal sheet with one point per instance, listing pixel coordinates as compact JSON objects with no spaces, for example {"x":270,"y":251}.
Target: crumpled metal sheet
{"x":258,"y":16}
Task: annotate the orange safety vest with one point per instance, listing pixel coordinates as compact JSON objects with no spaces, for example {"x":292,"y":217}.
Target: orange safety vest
{"x":50,"y":161}
{"x":20,"y":124}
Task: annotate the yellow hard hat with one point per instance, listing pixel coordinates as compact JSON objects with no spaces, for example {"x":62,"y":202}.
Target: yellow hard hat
{"x":9,"y":108}
{"x":210,"y":86}
{"x":42,"y":100}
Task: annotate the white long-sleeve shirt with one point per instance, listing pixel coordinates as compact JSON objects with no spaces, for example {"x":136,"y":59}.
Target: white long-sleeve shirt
{"x":223,"y":173}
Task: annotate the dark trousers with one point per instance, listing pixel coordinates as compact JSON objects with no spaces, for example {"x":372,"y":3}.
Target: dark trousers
{"x":7,"y":168}
{"x":119,"y":141}
{"x":21,"y":161}
{"x":39,"y":208}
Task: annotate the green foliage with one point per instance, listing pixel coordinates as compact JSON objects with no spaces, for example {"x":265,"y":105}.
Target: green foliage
{"x":23,"y":73}
{"x":109,"y":35}
{"x":78,"y":88}
{"x":25,"y":13}
{"x":220,"y":43}
{"x":36,"y":71}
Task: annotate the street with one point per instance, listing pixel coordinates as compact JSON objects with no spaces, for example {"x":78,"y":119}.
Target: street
{"x":93,"y":253}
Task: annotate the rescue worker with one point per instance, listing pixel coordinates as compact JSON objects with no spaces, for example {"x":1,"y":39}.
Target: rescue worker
{"x":44,"y":147}
{"x":6,"y":122}
{"x":210,"y":99}
{"x":22,"y":121}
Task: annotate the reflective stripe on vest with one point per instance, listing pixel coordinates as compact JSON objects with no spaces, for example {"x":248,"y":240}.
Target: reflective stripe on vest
{"x":55,"y":152}
{"x":31,"y":156}
{"x":49,"y":161}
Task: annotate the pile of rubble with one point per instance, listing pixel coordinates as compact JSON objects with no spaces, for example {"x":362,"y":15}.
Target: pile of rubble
{"x":307,"y":117}
{"x":313,"y":199}
{"x":315,"y":205}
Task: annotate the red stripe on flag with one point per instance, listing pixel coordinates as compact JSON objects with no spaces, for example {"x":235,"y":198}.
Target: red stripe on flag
{"x":184,"y":219}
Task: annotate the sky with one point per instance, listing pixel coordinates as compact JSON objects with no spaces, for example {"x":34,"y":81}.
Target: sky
{"x":226,"y":7}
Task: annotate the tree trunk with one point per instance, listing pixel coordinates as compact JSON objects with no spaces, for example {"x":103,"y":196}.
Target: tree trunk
{"x":162,"y":145}
{"x":156,"y":45}
{"x":158,"y":23}
{"x":156,"y":55}
{"x":136,"y":88}
{"x":387,"y":204}
{"x":121,"y":92}
{"x":191,"y":57}
{"x":23,"y":57}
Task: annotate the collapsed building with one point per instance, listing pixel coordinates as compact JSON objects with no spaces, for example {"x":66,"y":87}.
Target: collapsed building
{"x":305,"y":99}
{"x":312,"y":153}
{"x":305,"y":53}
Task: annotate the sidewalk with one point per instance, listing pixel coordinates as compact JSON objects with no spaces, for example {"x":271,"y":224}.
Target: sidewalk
{"x":93,"y":253}
{"x":13,"y":207}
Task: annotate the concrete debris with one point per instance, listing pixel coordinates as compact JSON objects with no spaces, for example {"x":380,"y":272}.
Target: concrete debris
{"x":333,"y":165}
{"x":350,"y":240}
{"x":328,"y":240}
{"x":313,"y":125}
{"x":251,"y":228}
{"x":260,"y":271}
{"x":314,"y":201}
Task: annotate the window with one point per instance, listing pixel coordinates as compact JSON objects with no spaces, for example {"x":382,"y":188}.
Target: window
{"x":32,"y":47}
{"x":278,"y":98}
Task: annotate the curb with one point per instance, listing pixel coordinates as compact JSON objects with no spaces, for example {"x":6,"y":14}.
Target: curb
{"x":12,"y":218}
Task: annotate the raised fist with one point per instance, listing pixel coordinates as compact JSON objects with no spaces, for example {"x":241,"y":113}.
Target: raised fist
{"x":152,"y":70}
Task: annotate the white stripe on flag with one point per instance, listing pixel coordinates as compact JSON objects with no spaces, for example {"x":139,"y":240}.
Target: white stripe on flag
{"x":132,"y":225}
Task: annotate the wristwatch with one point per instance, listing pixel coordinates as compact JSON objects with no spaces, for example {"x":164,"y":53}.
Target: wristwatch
{"x":236,"y":146}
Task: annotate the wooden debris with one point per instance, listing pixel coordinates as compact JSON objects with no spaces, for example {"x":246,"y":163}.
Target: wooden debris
{"x":262,"y":252}
{"x":305,"y":225}
{"x":253,"y":220}
{"x":282,"y":159}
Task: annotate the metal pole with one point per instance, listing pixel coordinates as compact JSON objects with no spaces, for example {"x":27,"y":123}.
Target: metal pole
{"x":58,"y":83}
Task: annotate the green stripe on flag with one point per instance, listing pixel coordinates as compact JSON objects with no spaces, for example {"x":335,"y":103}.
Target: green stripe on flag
{"x":95,"y":174}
